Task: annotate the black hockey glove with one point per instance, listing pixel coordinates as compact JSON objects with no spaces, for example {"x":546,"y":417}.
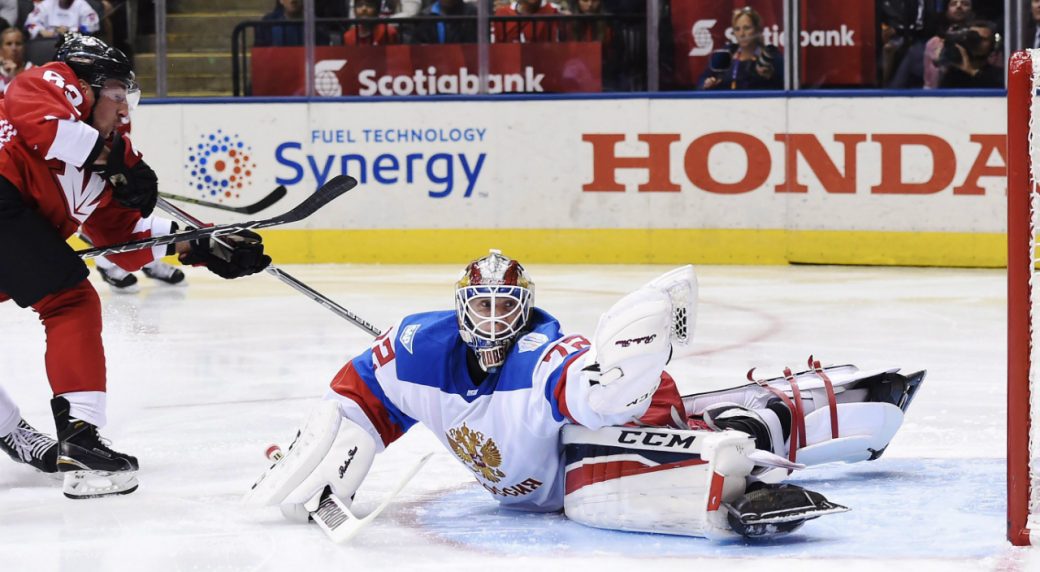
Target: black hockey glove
{"x":245,"y":255}
{"x":134,"y":187}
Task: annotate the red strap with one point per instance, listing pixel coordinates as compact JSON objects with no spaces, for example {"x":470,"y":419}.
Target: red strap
{"x":799,"y":415}
{"x":793,"y":449}
{"x":815,"y":365}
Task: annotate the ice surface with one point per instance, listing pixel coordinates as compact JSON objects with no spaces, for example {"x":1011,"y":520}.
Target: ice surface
{"x":203,"y":377}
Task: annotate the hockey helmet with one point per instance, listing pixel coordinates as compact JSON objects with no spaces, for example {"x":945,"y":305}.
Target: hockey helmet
{"x":95,"y":62}
{"x":493,"y":301}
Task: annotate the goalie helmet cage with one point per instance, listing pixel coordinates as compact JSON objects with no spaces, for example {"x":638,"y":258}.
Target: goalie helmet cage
{"x":1023,"y":161}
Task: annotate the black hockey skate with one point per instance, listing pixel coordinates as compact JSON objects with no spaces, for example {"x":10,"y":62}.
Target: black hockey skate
{"x":772,"y":510}
{"x":117,"y":278}
{"x":27,"y":445}
{"x":91,"y":468}
{"x":163,"y":272}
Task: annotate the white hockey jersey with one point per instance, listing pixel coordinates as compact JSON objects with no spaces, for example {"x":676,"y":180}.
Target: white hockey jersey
{"x":506,"y":430}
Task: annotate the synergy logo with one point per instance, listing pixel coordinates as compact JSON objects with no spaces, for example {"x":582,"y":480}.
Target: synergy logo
{"x":221,"y":166}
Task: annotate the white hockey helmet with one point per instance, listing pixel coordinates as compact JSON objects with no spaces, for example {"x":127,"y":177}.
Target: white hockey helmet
{"x":493,"y":301}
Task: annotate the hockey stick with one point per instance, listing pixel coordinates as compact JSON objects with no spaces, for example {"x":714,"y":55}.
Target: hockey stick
{"x":330,"y":190}
{"x":272,"y":198}
{"x":279,"y":274}
{"x":335,"y":518}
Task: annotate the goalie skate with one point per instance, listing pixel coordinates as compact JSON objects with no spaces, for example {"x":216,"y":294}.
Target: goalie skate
{"x":771,"y":510}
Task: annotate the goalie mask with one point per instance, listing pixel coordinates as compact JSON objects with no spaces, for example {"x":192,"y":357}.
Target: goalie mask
{"x":493,"y":300}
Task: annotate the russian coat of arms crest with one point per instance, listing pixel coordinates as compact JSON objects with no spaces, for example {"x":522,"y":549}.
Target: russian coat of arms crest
{"x":479,"y":454}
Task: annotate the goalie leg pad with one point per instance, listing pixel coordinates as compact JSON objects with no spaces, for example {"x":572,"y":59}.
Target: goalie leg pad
{"x":310,"y":446}
{"x":666,"y":481}
{"x":630,"y":347}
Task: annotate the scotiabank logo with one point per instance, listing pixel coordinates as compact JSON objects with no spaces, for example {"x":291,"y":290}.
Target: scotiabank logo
{"x":429,"y":82}
{"x":837,"y":174}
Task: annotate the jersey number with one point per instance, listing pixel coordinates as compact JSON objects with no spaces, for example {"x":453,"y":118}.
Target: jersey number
{"x":383,"y":350}
{"x":71,"y":92}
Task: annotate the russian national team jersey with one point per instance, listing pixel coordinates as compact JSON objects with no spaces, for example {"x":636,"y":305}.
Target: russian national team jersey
{"x":505,"y":430}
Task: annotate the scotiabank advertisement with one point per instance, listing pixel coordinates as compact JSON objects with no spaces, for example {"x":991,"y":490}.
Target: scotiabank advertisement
{"x":687,"y":178}
{"x":430,"y":69}
{"x":836,"y":41}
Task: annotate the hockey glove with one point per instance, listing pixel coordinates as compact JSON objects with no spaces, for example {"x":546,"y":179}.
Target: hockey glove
{"x":135,"y":186}
{"x":243,"y":257}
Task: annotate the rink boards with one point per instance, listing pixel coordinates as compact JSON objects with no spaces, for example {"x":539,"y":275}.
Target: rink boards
{"x":756,"y":180}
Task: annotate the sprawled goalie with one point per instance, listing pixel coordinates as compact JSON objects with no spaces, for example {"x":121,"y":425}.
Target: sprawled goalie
{"x":549,"y":422}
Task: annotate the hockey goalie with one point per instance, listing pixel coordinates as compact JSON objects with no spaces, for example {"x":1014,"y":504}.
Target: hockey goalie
{"x":548,"y":422}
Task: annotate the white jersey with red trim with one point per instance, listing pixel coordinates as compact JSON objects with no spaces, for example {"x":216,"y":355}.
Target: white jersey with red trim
{"x":506,"y":429}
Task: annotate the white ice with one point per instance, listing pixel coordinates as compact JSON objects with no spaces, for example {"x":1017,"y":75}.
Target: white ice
{"x":203,"y":377}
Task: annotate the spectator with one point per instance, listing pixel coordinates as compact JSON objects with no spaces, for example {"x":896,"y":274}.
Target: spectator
{"x":956,"y":16}
{"x":399,"y":8}
{"x":369,"y":33}
{"x":747,"y":64}
{"x":906,"y":25}
{"x":290,"y":33}
{"x":526,"y":31}
{"x":12,"y":56}
{"x":448,"y":32}
{"x":52,"y":18}
{"x":965,"y":58}
{"x":589,"y":30}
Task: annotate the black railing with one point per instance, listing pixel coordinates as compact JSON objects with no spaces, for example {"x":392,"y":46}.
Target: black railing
{"x":624,"y":57}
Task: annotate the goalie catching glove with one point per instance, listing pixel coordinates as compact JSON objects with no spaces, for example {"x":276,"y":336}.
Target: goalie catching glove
{"x":243,"y":255}
{"x":134,"y":183}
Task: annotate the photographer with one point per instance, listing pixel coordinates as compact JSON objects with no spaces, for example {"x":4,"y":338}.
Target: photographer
{"x":965,"y":57}
{"x":747,"y":64}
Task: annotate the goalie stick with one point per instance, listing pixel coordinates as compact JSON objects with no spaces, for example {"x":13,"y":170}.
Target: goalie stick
{"x":335,"y":518}
{"x":272,"y":198}
{"x":280,"y":274}
{"x":330,"y":190}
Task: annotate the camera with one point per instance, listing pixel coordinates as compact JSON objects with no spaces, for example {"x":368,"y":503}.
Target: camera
{"x":968,"y":38}
{"x":720,"y":60}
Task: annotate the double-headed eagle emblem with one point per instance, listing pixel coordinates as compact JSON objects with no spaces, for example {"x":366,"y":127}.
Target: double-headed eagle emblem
{"x":482,"y":457}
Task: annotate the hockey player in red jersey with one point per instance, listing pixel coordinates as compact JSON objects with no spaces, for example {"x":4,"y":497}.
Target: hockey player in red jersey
{"x":63,"y":166}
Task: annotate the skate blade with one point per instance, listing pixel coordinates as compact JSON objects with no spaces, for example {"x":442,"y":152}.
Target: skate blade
{"x":95,"y":484}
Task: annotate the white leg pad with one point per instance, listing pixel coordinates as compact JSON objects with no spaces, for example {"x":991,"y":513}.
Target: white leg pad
{"x":665,"y":481}
{"x":864,"y":429}
{"x":312,"y":443}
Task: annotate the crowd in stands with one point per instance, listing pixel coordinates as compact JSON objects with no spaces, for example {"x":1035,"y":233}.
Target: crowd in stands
{"x":29,"y":30}
{"x":290,"y":12}
{"x":941,"y":43}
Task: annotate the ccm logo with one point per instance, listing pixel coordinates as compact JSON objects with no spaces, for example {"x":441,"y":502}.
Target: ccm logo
{"x":656,"y":439}
{"x":643,"y":340}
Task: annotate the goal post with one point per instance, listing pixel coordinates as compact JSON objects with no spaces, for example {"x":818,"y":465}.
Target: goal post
{"x":1023,"y":164}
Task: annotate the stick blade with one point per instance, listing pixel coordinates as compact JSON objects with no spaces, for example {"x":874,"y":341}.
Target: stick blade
{"x":335,"y":187}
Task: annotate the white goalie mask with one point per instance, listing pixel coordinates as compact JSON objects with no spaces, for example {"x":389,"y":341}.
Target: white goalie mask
{"x":493,"y":300}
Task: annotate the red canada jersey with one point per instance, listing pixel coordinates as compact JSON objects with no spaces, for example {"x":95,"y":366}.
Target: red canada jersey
{"x":44,"y":143}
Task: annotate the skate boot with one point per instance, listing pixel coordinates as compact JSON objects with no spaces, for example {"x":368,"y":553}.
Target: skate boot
{"x":159,"y":270}
{"x":91,"y":468}
{"x":27,"y":445}
{"x":120,"y":280}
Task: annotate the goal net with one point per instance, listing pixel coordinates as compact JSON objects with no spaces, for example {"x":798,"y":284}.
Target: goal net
{"x":1023,"y":450}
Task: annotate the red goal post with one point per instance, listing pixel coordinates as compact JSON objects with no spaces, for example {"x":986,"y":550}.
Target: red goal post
{"x":1023,"y":166}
